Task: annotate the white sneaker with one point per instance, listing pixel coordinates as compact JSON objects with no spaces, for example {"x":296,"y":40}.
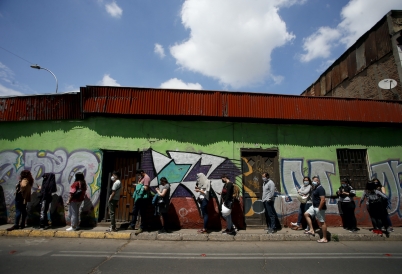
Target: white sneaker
{"x":294,"y":224}
{"x":70,"y":228}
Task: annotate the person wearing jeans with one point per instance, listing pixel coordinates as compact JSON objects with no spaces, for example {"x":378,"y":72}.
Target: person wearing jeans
{"x":22,"y":197}
{"x":203,"y":186}
{"x":77,"y":195}
{"x":227,"y":200}
{"x":268,"y":191}
{"x":304,"y":197}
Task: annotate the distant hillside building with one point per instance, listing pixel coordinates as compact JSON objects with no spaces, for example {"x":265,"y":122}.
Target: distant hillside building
{"x":377,"y":55}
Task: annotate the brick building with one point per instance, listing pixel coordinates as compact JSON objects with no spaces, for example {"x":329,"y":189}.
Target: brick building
{"x":375,"y":56}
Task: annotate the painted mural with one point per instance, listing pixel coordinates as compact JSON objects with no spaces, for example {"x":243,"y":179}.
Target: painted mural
{"x":60,"y":162}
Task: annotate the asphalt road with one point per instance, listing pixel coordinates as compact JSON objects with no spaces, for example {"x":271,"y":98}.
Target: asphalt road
{"x":57,"y":255}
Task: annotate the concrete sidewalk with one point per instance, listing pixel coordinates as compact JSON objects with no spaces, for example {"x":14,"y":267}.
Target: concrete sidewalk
{"x":286,"y":234}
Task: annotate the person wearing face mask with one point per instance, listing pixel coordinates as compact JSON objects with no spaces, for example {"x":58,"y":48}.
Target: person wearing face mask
{"x":387,"y":204}
{"x":140,"y":196}
{"x":304,"y":193}
{"x":268,"y":191}
{"x":346,"y":194}
{"x":317,"y":209}
{"x":114,"y":200}
{"x":227,"y":201}
{"x":203,"y":187}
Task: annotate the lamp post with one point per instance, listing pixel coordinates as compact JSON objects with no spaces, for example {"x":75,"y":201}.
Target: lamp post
{"x":39,"y":67}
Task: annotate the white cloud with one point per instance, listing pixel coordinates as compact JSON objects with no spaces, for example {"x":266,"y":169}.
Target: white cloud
{"x":4,"y":91}
{"x":358,"y":16}
{"x":278,"y":79}
{"x":175,"y":83}
{"x":6,"y":74}
{"x":232,"y":41}
{"x":320,"y":44}
{"x":108,"y":81}
{"x":114,"y":10}
{"x":159,"y":50}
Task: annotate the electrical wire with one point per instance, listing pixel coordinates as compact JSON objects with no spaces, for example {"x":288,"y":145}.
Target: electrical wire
{"x":16,"y":55}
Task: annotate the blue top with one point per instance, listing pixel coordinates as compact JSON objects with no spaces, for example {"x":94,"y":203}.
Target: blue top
{"x":317,"y":193}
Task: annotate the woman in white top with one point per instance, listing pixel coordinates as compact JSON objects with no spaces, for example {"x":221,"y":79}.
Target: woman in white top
{"x":304,"y":193}
{"x":203,"y":186}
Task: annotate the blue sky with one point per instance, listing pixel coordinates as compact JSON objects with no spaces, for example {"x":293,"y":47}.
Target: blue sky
{"x":270,"y":46}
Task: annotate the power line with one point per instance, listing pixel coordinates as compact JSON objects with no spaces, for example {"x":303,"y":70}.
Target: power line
{"x":16,"y":55}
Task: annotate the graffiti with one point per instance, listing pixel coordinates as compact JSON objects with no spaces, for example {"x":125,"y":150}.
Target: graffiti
{"x":390,"y":175}
{"x":292,"y":175}
{"x":63,"y":164}
{"x":181,"y":168}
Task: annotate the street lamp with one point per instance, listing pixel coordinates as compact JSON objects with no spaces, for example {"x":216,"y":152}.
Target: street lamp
{"x":38,"y":67}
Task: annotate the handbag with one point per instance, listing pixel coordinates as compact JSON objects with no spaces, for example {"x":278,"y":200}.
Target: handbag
{"x":160,"y":201}
{"x":228,"y":204}
{"x":200,"y":198}
{"x":302,"y":199}
{"x":226,"y":211}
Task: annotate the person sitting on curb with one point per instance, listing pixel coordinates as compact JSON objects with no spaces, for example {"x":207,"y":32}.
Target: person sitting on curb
{"x":317,"y":209}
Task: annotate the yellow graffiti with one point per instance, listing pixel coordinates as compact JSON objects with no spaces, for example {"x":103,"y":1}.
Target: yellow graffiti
{"x":19,"y":163}
{"x":250,"y":169}
{"x":253,"y":199}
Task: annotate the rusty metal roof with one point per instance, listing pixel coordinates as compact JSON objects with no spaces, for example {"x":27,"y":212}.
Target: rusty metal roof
{"x":220,"y":104}
{"x":198,"y":104}
{"x":40,"y":107}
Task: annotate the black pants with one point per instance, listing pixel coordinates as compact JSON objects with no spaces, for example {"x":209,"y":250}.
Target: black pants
{"x":140,"y":207}
{"x":378,"y":214}
{"x":349,"y":218}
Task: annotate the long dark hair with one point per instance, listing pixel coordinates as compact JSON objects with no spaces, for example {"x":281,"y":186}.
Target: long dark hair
{"x":79,"y":176}
{"x":308,"y":178}
{"x":26,"y":174}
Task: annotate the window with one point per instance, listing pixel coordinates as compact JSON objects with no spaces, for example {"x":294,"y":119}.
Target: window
{"x":352,"y":164}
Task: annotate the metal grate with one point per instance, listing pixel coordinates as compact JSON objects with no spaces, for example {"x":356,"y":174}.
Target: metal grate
{"x":352,"y":164}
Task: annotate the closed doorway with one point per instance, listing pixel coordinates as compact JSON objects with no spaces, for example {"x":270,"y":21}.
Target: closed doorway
{"x":127,"y":162}
{"x":254,"y":163}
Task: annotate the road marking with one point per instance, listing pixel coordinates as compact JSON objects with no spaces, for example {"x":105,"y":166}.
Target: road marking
{"x":35,"y":253}
{"x":80,"y":251}
{"x":255,"y":258}
{"x":79,"y":255}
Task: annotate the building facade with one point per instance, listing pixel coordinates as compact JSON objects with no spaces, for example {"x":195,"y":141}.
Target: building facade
{"x":177,"y":134}
{"x":376,"y":56}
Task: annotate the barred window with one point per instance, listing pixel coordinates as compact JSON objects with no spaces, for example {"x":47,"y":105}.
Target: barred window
{"x":352,"y":164}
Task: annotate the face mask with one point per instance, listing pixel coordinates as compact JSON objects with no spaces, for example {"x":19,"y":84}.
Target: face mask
{"x":112,"y":178}
{"x":265,"y":179}
{"x":306,"y":183}
{"x":314,"y":183}
{"x":343,"y":185}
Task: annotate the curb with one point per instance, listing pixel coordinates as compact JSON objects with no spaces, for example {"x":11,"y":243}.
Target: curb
{"x":152,"y":236}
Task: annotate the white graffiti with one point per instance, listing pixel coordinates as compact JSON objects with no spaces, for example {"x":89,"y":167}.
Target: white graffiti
{"x":389,"y":173}
{"x":179,"y":165}
{"x":292,"y":175}
{"x":59,"y":162}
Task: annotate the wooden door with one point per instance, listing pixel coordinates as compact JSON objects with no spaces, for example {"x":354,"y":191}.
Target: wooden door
{"x":253,"y":165}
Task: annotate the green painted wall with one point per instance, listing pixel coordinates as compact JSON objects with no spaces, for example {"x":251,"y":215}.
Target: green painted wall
{"x":224,"y":139}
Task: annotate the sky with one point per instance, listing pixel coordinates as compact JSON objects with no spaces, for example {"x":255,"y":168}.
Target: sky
{"x":265,"y":46}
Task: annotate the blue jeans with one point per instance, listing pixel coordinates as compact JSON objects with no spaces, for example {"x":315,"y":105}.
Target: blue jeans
{"x":271,"y":213}
{"x":302,"y":209}
{"x":20,"y":213}
{"x":204,"y":205}
{"x":229,"y":223}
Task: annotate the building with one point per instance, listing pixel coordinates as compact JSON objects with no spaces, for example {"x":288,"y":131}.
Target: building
{"x":179,"y":133}
{"x":377,"y":55}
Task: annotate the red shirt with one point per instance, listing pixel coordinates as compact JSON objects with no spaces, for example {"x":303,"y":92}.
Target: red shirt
{"x":73,"y":189}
